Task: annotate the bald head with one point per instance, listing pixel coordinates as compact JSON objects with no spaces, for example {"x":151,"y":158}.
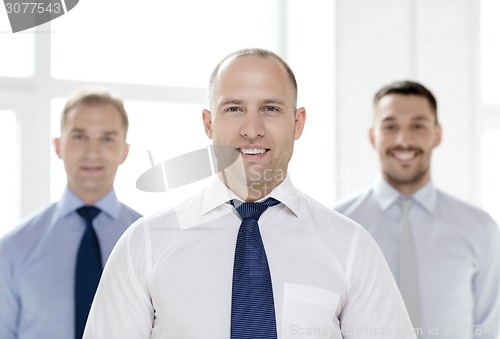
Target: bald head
{"x":252,"y":52}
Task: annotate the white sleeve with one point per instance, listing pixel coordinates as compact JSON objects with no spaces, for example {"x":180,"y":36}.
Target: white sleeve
{"x":121,"y":307}
{"x":374,"y":307}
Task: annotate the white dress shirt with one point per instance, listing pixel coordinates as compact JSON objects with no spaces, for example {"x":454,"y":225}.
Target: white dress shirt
{"x":170,"y":275}
{"x":458,"y":257}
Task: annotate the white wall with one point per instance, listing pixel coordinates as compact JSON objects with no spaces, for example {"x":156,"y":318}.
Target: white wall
{"x":434,"y":42}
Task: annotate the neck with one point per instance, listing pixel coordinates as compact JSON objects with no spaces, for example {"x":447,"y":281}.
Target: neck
{"x":89,"y":198}
{"x":251,"y":191}
{"x":409,"y":187}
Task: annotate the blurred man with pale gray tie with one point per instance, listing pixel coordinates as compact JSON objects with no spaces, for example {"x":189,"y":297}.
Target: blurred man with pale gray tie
{"x":444,"y":253}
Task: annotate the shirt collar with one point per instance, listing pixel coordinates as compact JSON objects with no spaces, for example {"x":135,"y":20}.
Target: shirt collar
{"x":386,"y":195}
{"x":426,"y":196}
{"x":108,"y":204}
{"x":217,"y":194}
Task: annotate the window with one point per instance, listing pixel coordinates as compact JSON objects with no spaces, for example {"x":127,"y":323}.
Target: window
{"x":166,"y":130}
{"x":490,"y":106}
{"x":153,"y":44}
{"x":9,"y":197}
{"x":17,"y":56}
{"x":490,"y":51}
{"x":490,"y":169}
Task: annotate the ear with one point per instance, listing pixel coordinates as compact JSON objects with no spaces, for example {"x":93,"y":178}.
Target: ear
{"x":207,"y":123}
{"x":57,"y":146}
{"x":371,"y":136}
{"x":438,"y":136}
{"x":125,"y":152}
{"x":300,"y":120}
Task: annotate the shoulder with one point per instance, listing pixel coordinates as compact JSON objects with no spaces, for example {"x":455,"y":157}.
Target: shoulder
{"x":346,"y":238}
{"x":129,"y":213}
{"x":34,"y":222}
{"x":462,"y":212}
{"x":24,"y":236}
{"x":146,"y":239}
{"x":328,"y":221}
{"x":350,"y":204}
{"x":468,"y":221}
{"x":167,"y":218}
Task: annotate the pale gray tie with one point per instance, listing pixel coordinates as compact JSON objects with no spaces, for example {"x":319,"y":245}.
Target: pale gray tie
{"x":408,"y":271}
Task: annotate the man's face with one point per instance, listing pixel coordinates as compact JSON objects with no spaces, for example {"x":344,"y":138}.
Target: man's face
{"x":254,"y":113}
{"x":404,"y":133}
{"x":92,"y":146}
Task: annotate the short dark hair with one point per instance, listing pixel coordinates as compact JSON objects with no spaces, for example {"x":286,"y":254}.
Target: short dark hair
{"x":260,"y":52}
{"x":407,"y":87}
{"x":91,"y":97}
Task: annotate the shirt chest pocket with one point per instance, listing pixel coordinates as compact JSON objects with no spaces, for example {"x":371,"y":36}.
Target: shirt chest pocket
{"x":309,"y":312}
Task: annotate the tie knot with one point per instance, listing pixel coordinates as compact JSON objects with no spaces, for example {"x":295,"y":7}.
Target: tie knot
{"x":88,"y":213}
{"x":405,"y":203}
{"x":253,"y":210}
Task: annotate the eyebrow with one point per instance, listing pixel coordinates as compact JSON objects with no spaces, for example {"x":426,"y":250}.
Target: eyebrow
{"x":265,"y":102}
{"x":79,"y":130}
{"x":421,"y":117}
{"x":231,"y":102}
{"x":417,"y":118}
{"x":273,"y":101}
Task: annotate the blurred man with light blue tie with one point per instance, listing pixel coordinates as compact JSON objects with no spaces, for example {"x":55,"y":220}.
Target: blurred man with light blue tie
{"x":444,"y":253}
{"x":51,"y":263}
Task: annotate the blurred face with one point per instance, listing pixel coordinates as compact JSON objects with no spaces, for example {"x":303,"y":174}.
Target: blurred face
{"x":404,"y":133}
{"x":254,"y":114}
{"x":92,"y":146}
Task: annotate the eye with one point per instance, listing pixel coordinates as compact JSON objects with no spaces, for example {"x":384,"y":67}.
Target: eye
{"x":271,"y":109}
{"x":419,"y":127}
{"x":77,"y":136}
{"x":389,"y":127}
{"x":232,"y":109}
{"x":107,"y":138}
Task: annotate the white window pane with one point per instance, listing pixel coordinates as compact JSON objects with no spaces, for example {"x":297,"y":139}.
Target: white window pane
{"x":9,"y":181}
{"x":57,"y":173}
{"x":490,"y":169}
{"x":17,"y":51}
{"x":154,"y":41}
{"x":490,"y":51}
{"x":166,"y":130}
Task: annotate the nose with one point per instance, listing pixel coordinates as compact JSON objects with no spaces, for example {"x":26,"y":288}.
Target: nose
{"x":92,"y":149}
{"x":404,"y":138}
{"x":253,"y":125}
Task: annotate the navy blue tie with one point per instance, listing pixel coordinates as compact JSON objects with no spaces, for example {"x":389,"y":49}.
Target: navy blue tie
{"x":88,"y":269}
{"x":252,"y":305}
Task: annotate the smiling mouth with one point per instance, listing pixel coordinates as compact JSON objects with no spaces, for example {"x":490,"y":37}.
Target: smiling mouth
{"x":91,"y":168}
{"x":253,"y":151}
{"x":405,"y":155}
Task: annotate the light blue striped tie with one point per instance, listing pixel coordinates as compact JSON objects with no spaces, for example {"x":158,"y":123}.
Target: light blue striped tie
{"x":252,"y":305}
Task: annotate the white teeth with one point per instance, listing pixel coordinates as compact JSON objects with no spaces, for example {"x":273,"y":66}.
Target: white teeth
{"x":404,"y":155}
{"x":252,"y":150}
